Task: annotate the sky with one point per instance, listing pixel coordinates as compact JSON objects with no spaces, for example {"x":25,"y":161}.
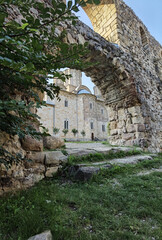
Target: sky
{"x":149,"y":11}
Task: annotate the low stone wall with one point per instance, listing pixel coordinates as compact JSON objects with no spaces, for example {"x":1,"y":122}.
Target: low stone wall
{"x":27,"y":173}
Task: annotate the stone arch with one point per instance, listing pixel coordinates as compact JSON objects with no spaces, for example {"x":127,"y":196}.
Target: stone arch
{"x":124,"y":85}
{"x":104,"y":19}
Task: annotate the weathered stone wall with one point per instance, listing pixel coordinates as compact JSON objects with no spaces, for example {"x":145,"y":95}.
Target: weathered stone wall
{"x":118,"y":20}
{"x":27,"y":173}
{"x":135,"y":38}
{"x":124,"y":82}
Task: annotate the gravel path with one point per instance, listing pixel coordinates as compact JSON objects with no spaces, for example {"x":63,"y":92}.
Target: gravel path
{"x":97,"y":146}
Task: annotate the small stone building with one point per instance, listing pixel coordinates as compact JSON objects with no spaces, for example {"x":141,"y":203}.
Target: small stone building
{"x":78,"y":109}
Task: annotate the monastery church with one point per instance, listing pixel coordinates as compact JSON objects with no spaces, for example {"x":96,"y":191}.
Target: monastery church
{"x":78,"y":109}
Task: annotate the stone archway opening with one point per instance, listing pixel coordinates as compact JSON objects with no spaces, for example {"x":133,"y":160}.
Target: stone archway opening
{"x":120,"y":78}
{"x":111,"y":73}
{"x":85,"y":110}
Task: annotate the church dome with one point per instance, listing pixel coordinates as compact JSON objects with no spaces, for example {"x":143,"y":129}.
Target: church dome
{"x":83,"y":91}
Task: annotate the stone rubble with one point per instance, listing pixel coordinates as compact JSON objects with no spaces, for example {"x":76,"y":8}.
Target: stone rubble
{"x":84,"y":172}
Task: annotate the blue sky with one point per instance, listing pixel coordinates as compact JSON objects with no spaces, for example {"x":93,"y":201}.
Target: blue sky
{"x":149,"y":11}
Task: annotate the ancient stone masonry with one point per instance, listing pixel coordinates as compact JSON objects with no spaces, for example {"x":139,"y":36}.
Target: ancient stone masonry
{"x":127,"y":71}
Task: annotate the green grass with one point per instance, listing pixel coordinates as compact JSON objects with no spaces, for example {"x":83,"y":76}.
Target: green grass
{"x":110,"y":145}
{"x":82,"y":141}
{"x":115,"y":206}
{"x":97,"y":157}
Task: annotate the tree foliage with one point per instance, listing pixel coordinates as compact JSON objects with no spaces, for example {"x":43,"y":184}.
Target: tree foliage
{"x":56,"y":130}
{"x":65,"y":131}
{"x":32,"y":50}
{"x":74,"y":131}
{"x":83,"y":133}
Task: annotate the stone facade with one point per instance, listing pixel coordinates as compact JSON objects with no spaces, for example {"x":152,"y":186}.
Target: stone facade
{"x":82,"y":111}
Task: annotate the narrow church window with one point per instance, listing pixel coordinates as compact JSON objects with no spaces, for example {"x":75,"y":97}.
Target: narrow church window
{"x":91,"y":125}
{"x":66,"y":103}
{"x":143,"y":39}
{"x":102,"y":111}
{"x":103,"y":128}
{"x":66,"y":124}
{"x":90,"y":106}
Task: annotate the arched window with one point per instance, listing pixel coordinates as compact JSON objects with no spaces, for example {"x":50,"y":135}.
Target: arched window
{"x":66,"y":124}
{"x":144,"y":39}
{"x":66,"y":103}
{"x":103,"y":128}
{"x":91,"y":105}
{"x":91,"y":125}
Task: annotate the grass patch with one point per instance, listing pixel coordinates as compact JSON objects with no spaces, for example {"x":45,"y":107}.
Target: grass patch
{"x":97,"y":157}
{"x":116,"y":206}
{"x":82,"y":141}
{"x":106,"y":143}
{"x":125,"y":169}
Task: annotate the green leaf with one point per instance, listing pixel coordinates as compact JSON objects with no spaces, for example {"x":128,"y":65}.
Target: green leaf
{"x":62,"y":6}
{"x":97,"y":2}
{"x":75,"y":9}
{"x":24,"y":25}
{"x":2,"y":18}
{"x":70,"y":3}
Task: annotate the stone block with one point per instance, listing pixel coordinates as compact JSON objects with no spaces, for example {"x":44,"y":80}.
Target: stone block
{"x":112,"y":116}
{"x":140,"y":135}
{"x":18,"y":174}
{"x":52,"y":142}
{"x":131,"y":128}
{"x":31,"y":179}
{"x":81,"y":39}
{"x":50,"y":171}
{"x":54,"y":158}
{"x":70,"y":38}
{"x":120,"y":131}
{"x":135,"y":111}
{"x":121,"y":114}
{"x":36,"y":157}
{"x":113,"y":125}
{"x":138,"y":119}
{"x":34,"y":168}
{"x":42,"y":236}
{"x":113,"y":132}
{"x":128,"y":136}
{"x":31,"y":144}
{"x":120,"y":124}
{"x":83,"y":173}
{"x":140,"y":128}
